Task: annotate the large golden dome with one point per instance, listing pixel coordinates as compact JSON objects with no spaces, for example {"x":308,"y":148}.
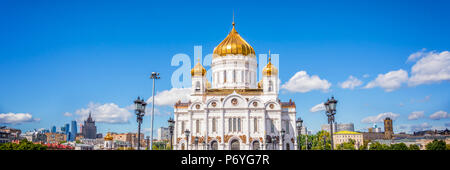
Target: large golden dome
{"x":198,"y":70}
{"x":233,"y":44}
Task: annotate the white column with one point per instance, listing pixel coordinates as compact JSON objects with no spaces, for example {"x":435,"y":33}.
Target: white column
{"x":248,"y":129}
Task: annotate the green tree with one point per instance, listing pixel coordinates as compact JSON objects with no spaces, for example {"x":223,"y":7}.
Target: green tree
{"x":350,"y":145}
{"x":399,"y":146}
{"x":413,"y":147}
{"x":436,"y":145}
{"x":378,"y":146}
{"x":23,"y":145}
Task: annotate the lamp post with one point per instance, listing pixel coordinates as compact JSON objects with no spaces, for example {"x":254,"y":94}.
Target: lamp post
{"x":299,"y":124}
{"x":154,"y":76}
{"x":171,"y":125}
{"x":330,"y":107}
{"x":140,"y":112}
{"x":283,"y":132}
{"x":196,"y":142}
{"x":274,"y":142}
{"x":187,"y":132}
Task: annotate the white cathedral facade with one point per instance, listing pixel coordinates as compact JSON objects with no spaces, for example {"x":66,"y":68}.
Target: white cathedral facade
{"x":235,"y":111}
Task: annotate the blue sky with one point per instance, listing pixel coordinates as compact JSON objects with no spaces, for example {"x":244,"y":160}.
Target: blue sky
{"x":62,"y":59}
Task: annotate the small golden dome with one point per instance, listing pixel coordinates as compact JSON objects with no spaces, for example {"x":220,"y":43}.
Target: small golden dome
{"x":198,"y":70}
{"x":260,"y":84}
{"x":233,"y":44}
{"x":108,"y":136}
{"x":270,"y":69}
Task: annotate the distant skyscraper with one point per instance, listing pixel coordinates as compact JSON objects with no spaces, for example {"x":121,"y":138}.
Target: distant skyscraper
{"x":67,"y":131}
{"x":73,"y":131}
{"x":339,"y":127}
{"x":89,"y":130}
{"x":53,"y":129}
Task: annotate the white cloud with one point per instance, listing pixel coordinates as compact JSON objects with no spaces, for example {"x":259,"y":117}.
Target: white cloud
{"x":380,"y":117}
{"x":67,"y":114}
{"x":389,"y":81}
{"x":170,"y":97}
{"x":104,"y":113}
{"x":366,"y":75}
{"x":439,"y":115}
{"x":416,"y":115}
{"x":431,"y":68}
{"x":417,"y":55}
{"x":318,"y":107}
{"x":16,"y":118}
{"x":420,"y":127}
{"x":351,"y":83}
{"x":302,"y":82}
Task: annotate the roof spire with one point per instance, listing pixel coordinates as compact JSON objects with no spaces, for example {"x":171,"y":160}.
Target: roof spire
{"x":233,"y":18}
{"x":269,"y":57}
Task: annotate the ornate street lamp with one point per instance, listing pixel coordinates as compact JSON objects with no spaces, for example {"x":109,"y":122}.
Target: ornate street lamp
{"x":187,"y":132}
{"x":299,"y":124}
{"x":196,"y":142}
{"x":283,"y":132}
{"x":154,"y":76}
{"x":140,"y":112}
{"x":171,"y":125}
{"x":330,"y":108}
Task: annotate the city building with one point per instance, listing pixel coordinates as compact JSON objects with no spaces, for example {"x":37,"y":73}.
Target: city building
{"x":8,"y":134}
{"x":345,"y":136}
{"x":89,"y":130}
{"x":129,"y":139}
{"x":388,"y":128}
{"x":55,"y":138}
{"x":73,"y":131}
{"x":235,"y":111}
{"x":163,"y":133}
{"x":339,"y":127}
{"x":53,"y":129}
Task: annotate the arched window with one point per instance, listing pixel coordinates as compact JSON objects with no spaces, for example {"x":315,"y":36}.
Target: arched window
{"x":197,"y":126}
{"x":239,"y":124}
{"x":229,"y":125}
{"x":225,"y":76}
{"x":272,"y":126}
{"x":234,"y":76}
{"x":235,"y":144}
{"x":214,"y":124}
{"x":197,"y":86}
{"x":182,"y":127}
{"x":234,"y":124}
{"x":255,"y":145}
{"x":270,"y":85}
{"x":287,"y":126}
{"x":214,"y":145}
{"x":255,"y":124}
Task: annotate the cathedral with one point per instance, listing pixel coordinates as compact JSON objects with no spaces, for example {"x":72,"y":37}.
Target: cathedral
{"x":235,"y":111}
